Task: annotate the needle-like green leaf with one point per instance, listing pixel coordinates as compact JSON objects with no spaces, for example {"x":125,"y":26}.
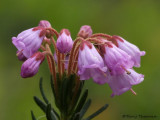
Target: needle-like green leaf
{"x":33,"y":117}
{"x":97,"y":112}
{"x":85,"y":108}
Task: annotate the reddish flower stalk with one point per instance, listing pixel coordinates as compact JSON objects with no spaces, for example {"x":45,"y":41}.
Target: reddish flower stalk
{"x":49,"y":59}
{"x":53,"y":72}
{"x":42,"y":48}
{"x":58,"y":54}
{"x":101,"y":35}
{"x":71,"y":55}
{"x":49,"y":64}
{"x":54,"y":31}
{"x":54,"y":45}
{"x":95,"y":40}
{"x":76,"y":59}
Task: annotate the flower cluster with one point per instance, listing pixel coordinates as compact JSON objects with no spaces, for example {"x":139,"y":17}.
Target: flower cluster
{"x":104,"y":58}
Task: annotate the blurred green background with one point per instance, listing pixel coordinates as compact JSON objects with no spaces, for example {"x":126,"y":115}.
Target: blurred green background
{"x":138,"y":21}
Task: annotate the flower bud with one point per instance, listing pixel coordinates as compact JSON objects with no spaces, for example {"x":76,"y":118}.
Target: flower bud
{"x":85,"y":31}
{"x":29,"y":41}
{"x":64,"y":41}
{"x":31,"y":66}
{"x":44,"y":23}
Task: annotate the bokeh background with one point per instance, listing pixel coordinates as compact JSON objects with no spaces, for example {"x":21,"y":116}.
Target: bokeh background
{"x":138,"y":21}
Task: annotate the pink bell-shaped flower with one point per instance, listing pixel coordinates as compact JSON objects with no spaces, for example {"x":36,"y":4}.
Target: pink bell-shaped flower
{"x":116,"y":59}
{"x":31,"y":66}
{"x":123,"y":82}
{"x":129,"y":48}
{"x":91,"y":64}
{"x":29,"y":41}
